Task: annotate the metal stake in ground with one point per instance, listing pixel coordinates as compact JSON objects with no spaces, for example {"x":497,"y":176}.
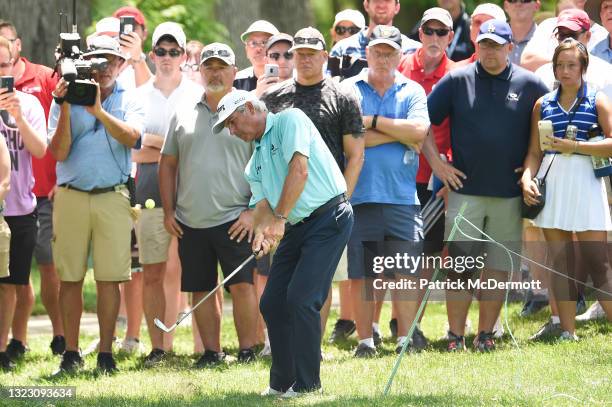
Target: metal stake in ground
{"x":419,"y":311}
{"x":184,"y":315}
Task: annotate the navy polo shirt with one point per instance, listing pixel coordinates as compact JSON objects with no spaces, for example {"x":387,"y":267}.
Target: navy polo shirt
{"x":490,"y":119}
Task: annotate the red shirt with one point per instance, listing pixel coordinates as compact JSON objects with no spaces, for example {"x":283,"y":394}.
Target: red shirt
{"x":37,"y":80}
{"x":467,"y":61}
{"x":411,"y":67}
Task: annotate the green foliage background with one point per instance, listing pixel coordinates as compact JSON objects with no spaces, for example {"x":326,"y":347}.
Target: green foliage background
{"x":198,"y":16}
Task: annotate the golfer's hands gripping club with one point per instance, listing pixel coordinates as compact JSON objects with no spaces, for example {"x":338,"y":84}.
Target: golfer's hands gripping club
{"x":268,"y":235}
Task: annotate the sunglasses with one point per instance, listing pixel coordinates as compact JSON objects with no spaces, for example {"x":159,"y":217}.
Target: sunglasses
{"x":276,"y":55}
{"x":162,"y":52}
{"x":440,"y":32}
{"x":190,"y":67}
{"x":223,"y":53}
{"x":340,"y":29}
{"x":519,"y":1}
{"x":311,"y":41}
{"x":563,"y":35}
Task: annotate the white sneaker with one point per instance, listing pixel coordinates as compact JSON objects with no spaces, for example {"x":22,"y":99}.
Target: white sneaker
{"x":566,"y":336}
{"x":266,"y":352}
{"x":498,"y":329}
{"x":131,"y":346}
{"x":595,"y":311}
{"x":290,"y":394}
{"x":271,"y":392}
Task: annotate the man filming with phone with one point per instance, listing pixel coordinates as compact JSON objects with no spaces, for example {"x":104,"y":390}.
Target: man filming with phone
{"x":92,"y":204}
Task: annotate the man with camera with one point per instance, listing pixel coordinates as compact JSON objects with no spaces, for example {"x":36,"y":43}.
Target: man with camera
{"x":38,"y":81}
{"x":22,"y":127}
{"x":92,"y":204}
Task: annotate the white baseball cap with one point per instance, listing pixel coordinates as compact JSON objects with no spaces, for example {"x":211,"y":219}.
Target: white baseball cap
{"x":228,"y":105}
{"x":259,"y":26}
{"x":438,"y":14}
{"x":108,"y":26}
{"x":490,"y":9}
{"x":353,"y":16}
{"x":219,"y":51}
{"x":172,"y":29}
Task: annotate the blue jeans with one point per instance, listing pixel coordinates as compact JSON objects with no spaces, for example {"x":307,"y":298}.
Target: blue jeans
{"x":300,"y":277}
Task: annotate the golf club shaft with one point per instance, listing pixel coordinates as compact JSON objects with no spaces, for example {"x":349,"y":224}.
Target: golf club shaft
{"x":225,"y":280}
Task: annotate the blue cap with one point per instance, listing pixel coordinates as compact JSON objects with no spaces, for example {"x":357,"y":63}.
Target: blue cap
{"x":496,"y":30}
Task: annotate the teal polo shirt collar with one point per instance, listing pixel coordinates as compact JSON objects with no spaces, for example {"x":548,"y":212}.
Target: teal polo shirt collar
{"x":270,"y":121}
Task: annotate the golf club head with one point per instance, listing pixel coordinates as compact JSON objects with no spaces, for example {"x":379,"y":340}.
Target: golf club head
{"x":161,"y":325}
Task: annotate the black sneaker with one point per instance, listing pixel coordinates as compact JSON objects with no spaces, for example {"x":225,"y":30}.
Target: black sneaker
{"x":71,"y":362}
{"x":419,"y":341}
{"x":377,"y":337}
{"x":364,"y":351}
{"x":485,"y":342}
{"x":210,"y":358}
{"x":5,"y":362}
{"x":58,"y":345}
{"x":456,"y":343}
{"x":15,"y":349}
{"x":106,"y":363}
{"x":246,"y":356}
{"x":549,"y":330}
{"x":154,"y":358}
{"x":581,"y":306}
{"x":342,"y":330}
{"x":393,"y":327}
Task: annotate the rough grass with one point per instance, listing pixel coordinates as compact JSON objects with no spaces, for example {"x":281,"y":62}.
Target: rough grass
{"x":549,"y":374}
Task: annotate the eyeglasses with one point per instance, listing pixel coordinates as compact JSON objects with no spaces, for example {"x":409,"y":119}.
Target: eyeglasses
{"x":256,"y":44}
{"x":563,"y":35}
{"x":490,"y":45}
{"x":190,"y":67}
{"x":302,"y":40}
{"x":519,"y":1}
{"x":341,"y":29}
{"x":162,"y":52}
{"x":223,"y":53}
{"x":276,"y":55}
{"x":440,"y":32}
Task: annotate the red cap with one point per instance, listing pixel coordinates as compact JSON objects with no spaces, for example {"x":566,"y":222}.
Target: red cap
{"x":130,"y":12}
{"x":574,"y":19}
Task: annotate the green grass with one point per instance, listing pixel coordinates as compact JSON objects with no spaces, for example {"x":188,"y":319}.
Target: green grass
{"x":549,"y":374}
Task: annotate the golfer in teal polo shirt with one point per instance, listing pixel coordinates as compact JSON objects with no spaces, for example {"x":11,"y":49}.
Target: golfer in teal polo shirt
{"x":301,"y":206}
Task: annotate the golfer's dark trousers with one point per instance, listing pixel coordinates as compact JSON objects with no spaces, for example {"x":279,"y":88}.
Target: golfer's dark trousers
{"x":301,"y":274}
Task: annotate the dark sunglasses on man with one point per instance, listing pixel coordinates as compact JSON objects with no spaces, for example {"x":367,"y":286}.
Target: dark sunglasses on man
{"x":162,"y":52}
{"x":276,"y":55}
{"x":301,"y":40}
{"x":341,"y":30}
{"x":440,"y":32}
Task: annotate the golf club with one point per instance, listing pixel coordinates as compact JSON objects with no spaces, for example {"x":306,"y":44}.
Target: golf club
{"x":184,"y":315}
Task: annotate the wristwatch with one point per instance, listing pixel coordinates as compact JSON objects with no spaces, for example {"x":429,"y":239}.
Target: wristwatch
{"x":279,"y":216}
{"x":143,"y":56}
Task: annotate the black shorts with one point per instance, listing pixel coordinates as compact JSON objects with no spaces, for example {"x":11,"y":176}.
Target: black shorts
{"x":434,"y":240}
{"x":201,"y":249}
{"x":24,"y":232}
{"x":263,"y":265}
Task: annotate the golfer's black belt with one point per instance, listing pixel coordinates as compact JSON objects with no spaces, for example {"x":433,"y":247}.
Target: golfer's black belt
{"x":325,"y":207}
{"x":93,"y":191}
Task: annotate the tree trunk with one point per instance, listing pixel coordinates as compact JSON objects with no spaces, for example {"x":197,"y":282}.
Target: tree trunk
{"x":37,"y":24}
{"x":287,"y":15}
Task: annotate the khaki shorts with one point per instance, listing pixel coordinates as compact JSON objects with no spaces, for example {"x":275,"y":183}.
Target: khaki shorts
{"x":342,"y":269}
{"x":5,"y":244}
{"x":101,"y":222}
{"x":500,"y":218}
{"x":153,"y":239}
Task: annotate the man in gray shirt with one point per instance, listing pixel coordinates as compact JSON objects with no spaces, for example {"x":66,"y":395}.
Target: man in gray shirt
{"x":205,"y":199}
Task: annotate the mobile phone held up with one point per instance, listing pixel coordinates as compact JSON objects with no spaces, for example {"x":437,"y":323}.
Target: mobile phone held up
{"x":7,"y":82}
{"x":126,"y":24}
{"x":271,"y":70}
